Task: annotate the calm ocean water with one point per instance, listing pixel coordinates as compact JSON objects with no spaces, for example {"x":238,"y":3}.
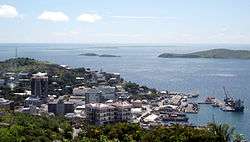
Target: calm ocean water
{"x":140,"y":64}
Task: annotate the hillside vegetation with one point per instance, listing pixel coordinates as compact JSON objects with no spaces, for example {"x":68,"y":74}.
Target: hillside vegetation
{"x":23,"y":127}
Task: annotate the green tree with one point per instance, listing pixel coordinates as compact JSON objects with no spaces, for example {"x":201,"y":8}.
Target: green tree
{"x":222,"y":131}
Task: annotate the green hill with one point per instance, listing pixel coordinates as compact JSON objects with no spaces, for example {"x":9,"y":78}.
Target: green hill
{"x":214,"y":53}
{"x":31,"y":65}
{"x":17,"y":65}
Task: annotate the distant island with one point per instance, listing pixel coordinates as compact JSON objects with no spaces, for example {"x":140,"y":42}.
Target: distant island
{"x":89,"y":54}
{"x":213,"y":53}
{"x":102,"y":55}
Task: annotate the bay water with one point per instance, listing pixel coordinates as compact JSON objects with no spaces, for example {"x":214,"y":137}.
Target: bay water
{"x":140,"y":64}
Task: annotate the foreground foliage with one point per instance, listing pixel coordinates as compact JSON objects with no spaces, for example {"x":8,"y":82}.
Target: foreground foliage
{"x":22,"y":127}
{"x":132,"y":132}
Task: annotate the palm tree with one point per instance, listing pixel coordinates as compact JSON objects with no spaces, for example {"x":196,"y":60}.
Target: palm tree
{"x":223,"y":131}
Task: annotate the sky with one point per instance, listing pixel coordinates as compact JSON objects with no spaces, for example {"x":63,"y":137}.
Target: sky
{"x":125,"y":21}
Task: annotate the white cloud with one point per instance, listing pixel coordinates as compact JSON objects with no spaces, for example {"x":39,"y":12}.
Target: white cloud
{"x":87,"y":17}
{"x":8,"y":11}
{"x":55,"y":16}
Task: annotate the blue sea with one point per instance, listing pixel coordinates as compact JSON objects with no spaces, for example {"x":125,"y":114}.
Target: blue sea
{"x":140,"y":64}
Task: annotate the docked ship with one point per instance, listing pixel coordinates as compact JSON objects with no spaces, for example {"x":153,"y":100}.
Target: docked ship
{"x":231,"y":104}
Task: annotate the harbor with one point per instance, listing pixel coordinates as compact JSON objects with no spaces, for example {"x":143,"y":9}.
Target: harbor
{"x":169,"y":108}
{"x":229,"y":104}
{"x":174,"y":107}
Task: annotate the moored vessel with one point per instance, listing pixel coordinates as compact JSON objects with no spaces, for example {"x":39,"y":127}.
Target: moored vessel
{"x":232,"y":104}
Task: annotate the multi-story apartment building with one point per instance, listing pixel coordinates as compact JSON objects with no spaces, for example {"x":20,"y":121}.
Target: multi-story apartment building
{"x":39,"y":90}
{"x":39,"y":86}
{"x":122,"y":111}
{"x":60,"y":107}
{"x":99,"y":113}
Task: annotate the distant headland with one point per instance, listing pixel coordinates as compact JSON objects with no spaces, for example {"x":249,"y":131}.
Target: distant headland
{"x":213,"y":53}
{"x":102,"y":55}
